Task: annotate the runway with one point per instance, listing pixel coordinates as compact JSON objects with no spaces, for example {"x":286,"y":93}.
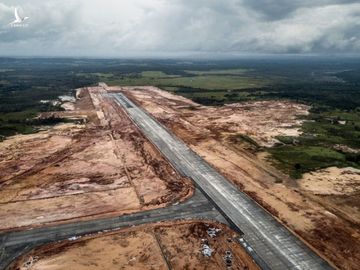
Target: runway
{"x":274,"y":245}
{"x":269,"y":243}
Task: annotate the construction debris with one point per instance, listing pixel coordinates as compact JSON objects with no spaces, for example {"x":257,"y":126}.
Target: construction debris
{"x":228,"y":258}
{"x":29,"y":263}
{"x":206,"y":250}
{"x":73,"y":238}
{"x":212,"y":232}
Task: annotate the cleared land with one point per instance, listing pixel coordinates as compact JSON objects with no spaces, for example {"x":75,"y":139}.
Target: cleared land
{"x":103,"y":167}
{"x":210,"y":132}
{"x":178,"y":245}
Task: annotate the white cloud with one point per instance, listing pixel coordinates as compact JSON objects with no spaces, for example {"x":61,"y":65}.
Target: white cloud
{"x":117,"y":27}
{"x":313,"y":29}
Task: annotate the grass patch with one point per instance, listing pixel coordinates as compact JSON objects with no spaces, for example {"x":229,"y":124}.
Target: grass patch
{"x":23,"y":122}
{"x":12,"y":129}
{"x":215,"y":97}
{"x":200,"y":81}
{"x":157,"y":74}
{"x":296,"y":160}
{"x":25,"y":82}
{"x":334,"y":127}
{"x":214,"y":82}
{"x":95,"y":74}
{"x":314,"y":149}
{"x":238,"y":71}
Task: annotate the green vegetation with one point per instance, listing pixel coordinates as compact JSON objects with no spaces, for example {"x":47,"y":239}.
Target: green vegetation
{"x":335,"y":127}
{"x":213,"y":87}
{"x":157,"y":74}
{"x":16,"y":122}
{"x":207,"y":82}
{"x":24,"y":84}
{"x":19,"y":116}
{"x":295,"y":160}
{"x":238,"y":71}
{"x":95,"y":74}
{"x":316,"y":147}
{"x":215,"y":82}
{"x":216,"y":97}
{"x":24,"y":123}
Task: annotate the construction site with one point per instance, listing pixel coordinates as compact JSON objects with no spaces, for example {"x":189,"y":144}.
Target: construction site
{"x":319,"y":216}
{"x":180,"y":245}
{"x":99,"y":164}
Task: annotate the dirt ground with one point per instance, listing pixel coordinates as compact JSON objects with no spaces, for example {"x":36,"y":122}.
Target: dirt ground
{"x":328,"y":222}
{"x":262,"y":120}
{"x":177,"y":245}
{"x":100,"y":165}
{"x":332,"y":181}
{"x":338,"y":189}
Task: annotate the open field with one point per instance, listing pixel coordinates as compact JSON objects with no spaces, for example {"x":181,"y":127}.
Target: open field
{"x":177,"y":245}
{"x":209,"y":131}
{"x":102,"y":167}
{"x":210,"y":82}
{"x":235,"y":71}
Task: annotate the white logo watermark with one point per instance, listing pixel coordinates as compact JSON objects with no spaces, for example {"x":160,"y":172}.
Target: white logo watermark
{"x":19,"y":20}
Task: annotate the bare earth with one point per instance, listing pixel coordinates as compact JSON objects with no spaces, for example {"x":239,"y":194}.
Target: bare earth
{"x":338,"y":189}
{"x":163,"y":246}
{"x":332,"y":181}
{"x":328,"y":222}
{"x":103,"y":166}
{"x":75,"y":171}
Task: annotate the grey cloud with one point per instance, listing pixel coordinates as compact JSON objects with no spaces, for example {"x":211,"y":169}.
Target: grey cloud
{"x":120,"y":28}
{"x":47,"y":22}
{"x":279,"y":9}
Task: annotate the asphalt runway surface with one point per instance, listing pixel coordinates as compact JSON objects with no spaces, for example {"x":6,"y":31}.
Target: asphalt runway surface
{"x":275,"y":246}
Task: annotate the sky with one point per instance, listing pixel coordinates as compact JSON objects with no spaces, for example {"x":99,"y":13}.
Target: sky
{"x":119,"y":28}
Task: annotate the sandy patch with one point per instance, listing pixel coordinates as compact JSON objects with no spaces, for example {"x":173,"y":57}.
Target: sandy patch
{"x":332,"y":180}
{"x":68,"y":106}
{"x":21,"y":153}
{"x":26,"y":213}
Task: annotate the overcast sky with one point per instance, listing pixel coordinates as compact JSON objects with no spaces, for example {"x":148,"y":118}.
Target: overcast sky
{"x":155,"y":27}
